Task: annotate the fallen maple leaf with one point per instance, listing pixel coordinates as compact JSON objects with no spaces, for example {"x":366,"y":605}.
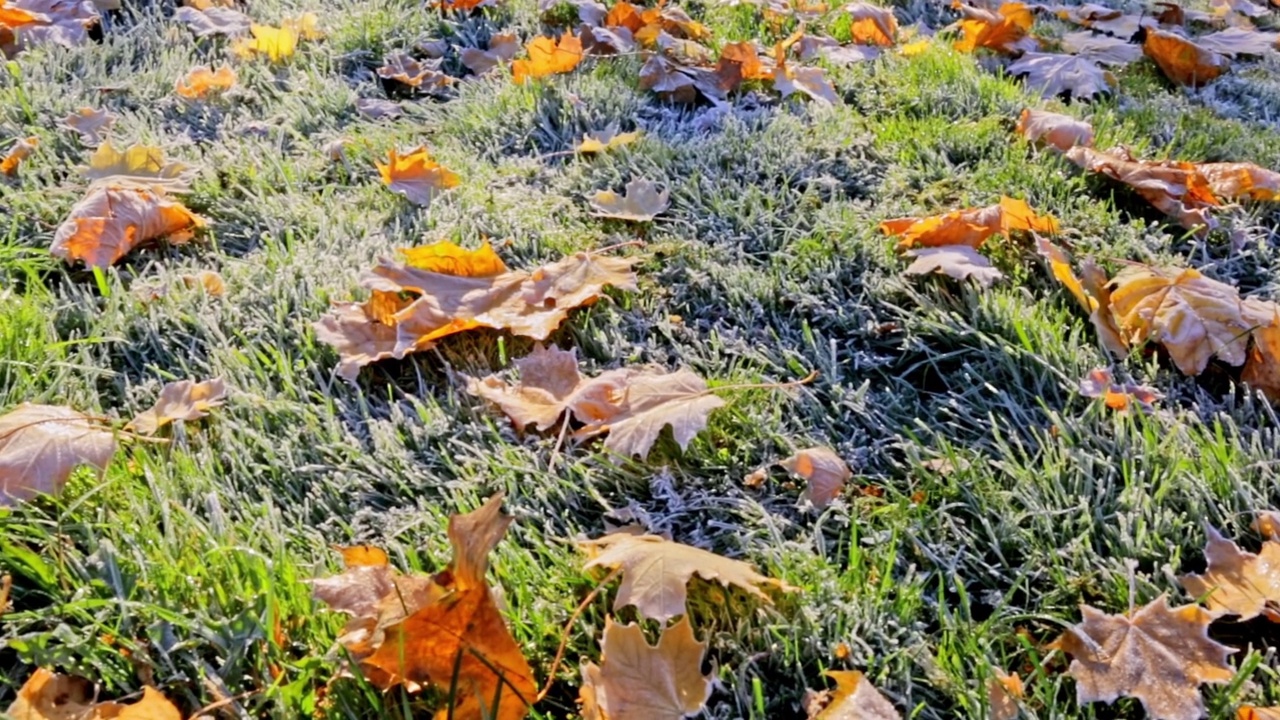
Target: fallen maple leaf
{"x":1241,"y":180}
{"x":1176,"y":189}
{"x":141,"y":166}
{"x":109,"y":222}
{"x":972,"y":226}
{"x":180,"y":400}
{"x":1054,"y":74}
{"x":277,"y":43}
{"x":1262,"y":368}
{"x":1093,"y":294}
{"x":549,"y":386}
{"x":825,"y":472}
{"x":1249,"y":712}
{"x":403,"y":68}
{"x":651,"y":402}
{"x":410,"y":309}
{"x":639,"y":681}
{"x":31,"y":23}
{"x":1003,"y":693}
{"x":443,"y":631}
{"x":872,"y":25}
{"x":378,"y":109}
{"x":855,"y":698}
{"x":958,"y":261}
{"x":656,"y":572}
{"x":1102,"y":49}
{"x":1058,"y":131}
{"x":809,"y":81}
{"x":48,"y":696}
{"x":451,"y":259}
{"x":1005,"y":30}
{"x":606,"y":140}
{"x":502,"y":48}
{"x":89,"y":124}
{"x":1193,"y":317}
{"x":1099,"y":383}
{"x":1237,"y":582}
{"x":214,"y":21}
{"x":200,"y":82}
{"x":41,"y":444}
{"x":1182,"y":60}
{"x":1155,"y":653}
{"x":20,"y":151}
{"x":641,"y":202}
{"x":416,"y":176}
{"x":548,"y":57}
{"x":1239,"y":41}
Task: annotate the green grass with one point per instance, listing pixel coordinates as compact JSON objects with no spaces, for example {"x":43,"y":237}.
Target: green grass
{"x":177,"y":567}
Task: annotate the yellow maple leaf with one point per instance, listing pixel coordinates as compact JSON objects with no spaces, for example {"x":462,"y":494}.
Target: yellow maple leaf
{"x":415,"y":175}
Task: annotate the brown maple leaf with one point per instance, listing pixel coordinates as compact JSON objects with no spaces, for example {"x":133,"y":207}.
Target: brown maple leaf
{"x":214,"y":21}
{"x":111,"y":221}
{"x":1182,"y":60}
{"x":1262,"y":367}
{"x":403,"y":68}
{"x":650,"y":402}
{"x":971,"y":226}
{"x":656,"y":572}
{"x":448,"y":632}
{"x":1102,"y":49}
{"x":89,"y":124}
{"x":824,"y":470}
{"x":854,"y":698}
{"x":1157,"y":654}
{"x":1237,"y":582}
{"x":958,"y":261}
{"x":49,"y":696}
{"x":180,"y":400}
{"x":1175,"y":188}
{"x":639,"y":681}
{"x":1240,"y":180}
{"x":1058,"y":131}
{"x":502,"y":48}
{"x":41,"y":444}
{"x":1092,"y":292}
{"x":549,"y":386}
{"x":1004,"y":691}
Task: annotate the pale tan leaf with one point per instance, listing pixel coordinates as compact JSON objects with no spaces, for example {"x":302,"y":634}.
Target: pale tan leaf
{"x":653,"y":401}
{"x":502,"y":47}
{"x":378,"y":109}
{"x":137,"y":166}
{"x":180,"y":400}
{"x":958,"y":261}
{"x":1237,"y":582}
{"x":1240,"y":41}
{"x":41,"y":444}
{"x":48,"y":696}
{"x":1157,"y":654}
{"x":855,"y":698}
{"x":1053,"y":74}
{"x":1239,"y":180}
{"x":89,"y":124}
{"x":214,"y":21}
{"x":642,"y":202}
{"x":824,"y":470}
{"x":110,"y":221}
{"x":403,"y":68}
{"x":1058,"y":131}
{"x":549,"y":385}
{"x":655,"y":572}
{"x":1174,"y":188}
{"x":810,"y":81}
{"x":638,"y":681}
{"x":1003,"y":693}
{"x":1102,"y":49}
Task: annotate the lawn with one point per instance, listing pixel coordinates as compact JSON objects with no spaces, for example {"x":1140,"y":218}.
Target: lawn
{"x":989,"y":498}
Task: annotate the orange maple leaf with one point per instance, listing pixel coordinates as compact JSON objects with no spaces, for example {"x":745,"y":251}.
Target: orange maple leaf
{"x":547,"y":57}
{"x":971,"y":226}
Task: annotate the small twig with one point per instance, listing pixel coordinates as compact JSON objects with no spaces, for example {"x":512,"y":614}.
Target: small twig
{"x":564,"y":635}
{"x":225,"y":701}
{"x":555,"y":451}
{"x":628,"y":243}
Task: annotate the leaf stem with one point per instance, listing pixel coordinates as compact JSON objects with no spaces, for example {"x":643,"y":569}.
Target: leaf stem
{"x":765,"y":386}
{"x":564,"y":635}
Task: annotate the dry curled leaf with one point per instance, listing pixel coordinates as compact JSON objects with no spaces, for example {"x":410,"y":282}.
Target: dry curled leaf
{"x":825,"y":472}
{"x":1157,"y":654}
{"x":21,"y":150}
{"x":416,"y":176}
{"x":1177,"y":189}
{"x":872,"y":25}
{"x":1238,"y":582}
{"x":180,"y":400}
{"x":502,"y":48}
{"x":89,"y":124}
{"x":214,"y":21}
{"x":1054,"y":74}
{"x":639,"y":681}
{"x":410,"y":308}
{"x":656,"y":572}
{"x":854,"y":698}
{"x":1262,"y":368}
{"x":403,"y":68}
{"x":41,"y":444}
{"x":1058,"y":131}
{"x":110,"y":222}
{"x":1003,"y":693}
{"x":444,"y":631}
{"x":200,"y":82}
{"x":30,"y":23}
{"x":1182,"y":60}
{"x":548,"y":57}
{"x":606,"y":140}
{"x":49,"y":696}
{"x":1099,"y":383}
{"x":971,"y":226}
{"x":1004,"y":30}
{"x":958,"y":261}
{"x":1239,"y":180}
{"x":641,"y":202}
{"x":1101,"y":49}
{"x":141,"y":166}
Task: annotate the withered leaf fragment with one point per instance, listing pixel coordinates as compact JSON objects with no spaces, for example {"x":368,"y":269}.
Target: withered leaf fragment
{"x":443,"y":631}
{"x":21,"y":150}
{"x":89,"y":124}
{"x":855,"y":698}
{"x":1182,"y":60}
{"x":639,"y":681}
{"x":656,"y":572}
{"x":41,"y":444}
{"x":825,"y":471}
{"x":403,"y":68}
{"x":651,"y":401}
{"x":416,"y":176}
{"x":1058,"y":131}
{"x":641,"y":202}
{"x":49,"y":696}
{"x":202,"y":81}
{"x":1157,"y":654}
{"x":1238,"y":582}
{"x":502,"y":47}
{"x":605,"y":140}
{"x":180,"y":400}
{"x":872,"y":25}
{"x":1099,"y":383}
{"x":214,"y":21}
{"x":1003,"y":693}
{"x":1102,"y":49}
{"x":961,"y":262}
{"x":137,"y":166}
{"x":1177,"y":189}
{"x":111,"y":221}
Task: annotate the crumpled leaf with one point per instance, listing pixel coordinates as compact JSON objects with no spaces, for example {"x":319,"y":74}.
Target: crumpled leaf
{"x":639,"y":681}
{"x":809,"y":81}
{"x":1003,"y":693}
{"x":651,"y":402}
{"x":31,"y":23}
{"x":416,"y":176}
{"x":1158,"y":654}
{"x":825,"y":472}
{"x":180,"y":400}
{"x":549,"y":386}
{"x":1262,"y":368}
{"x":49,"y":696}
{"x":1099,"y":383}
{"x":1102,"y":49}
{"x":958,"y":261}
{"x":1193,"y":317}
{"x":872,"y":25}
{"x":403,"y":68}
{"x":641,"y":202}
{"x":855,"y":698}
{"x":140,"y":166}
{"x":1058,"y":131}
{"x":445,"y":631}
{"x":214,"y":21}
{"x":606,"y":140}
{"x":1004,"y":30}
{"x":1182,"y":60}
{"x":110,"y":222}
{"x":21,"y":150}
{"x":410,"y":309}
{"x":548,"y":57}
{"x":1054,"y":74}
{"x":502,"y":48}
{"x":1237,"y":582}
{"x":1235,"y":181}
{"x":971,"y":226}
{"x":1177,"y":189}
{"x":89,"y":124}
{"x":41,"y":444}
{"x":1093,"y":294}
{"x":656,"y":572}
{"x":200,"y":82}
{"x":451,"y":259}
{"x":1250,"y":712}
